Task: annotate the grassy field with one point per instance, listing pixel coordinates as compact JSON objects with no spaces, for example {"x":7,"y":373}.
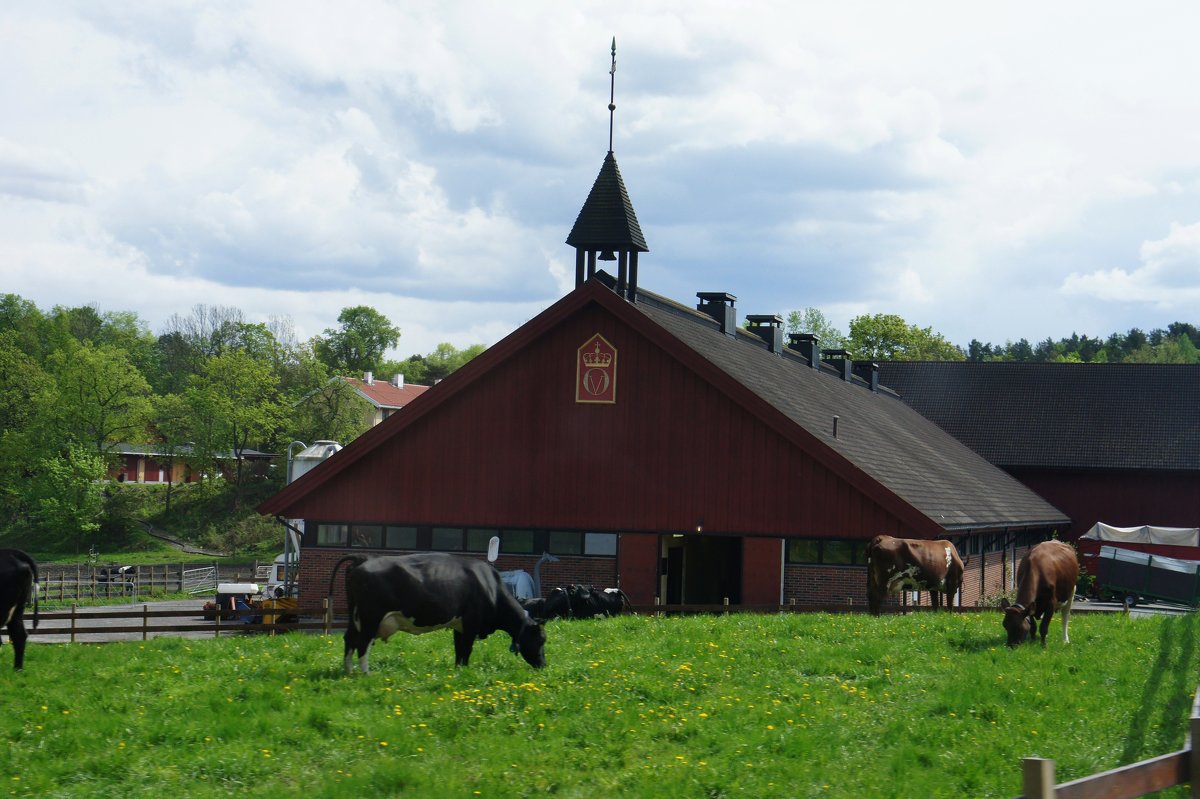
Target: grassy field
{"x":735,"y":706}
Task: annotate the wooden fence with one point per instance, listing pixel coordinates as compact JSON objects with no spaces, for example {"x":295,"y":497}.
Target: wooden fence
{"x":81,"y":624}
{"x":67,"y":583}
{"x":1127,"y":782}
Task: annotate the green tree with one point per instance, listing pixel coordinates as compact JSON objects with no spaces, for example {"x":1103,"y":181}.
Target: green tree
{"x":235,"y":405}
{"x":812,"y":320}
{"x":888,"y":337}
{"x":66,"y":496}
{"x":102,"y":398}
{"x":359,"y":344}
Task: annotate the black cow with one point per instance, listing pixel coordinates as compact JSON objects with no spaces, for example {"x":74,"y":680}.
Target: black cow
{"x":18,"y":582}
{"x":428,"y":591}
{"x":578,"y":602}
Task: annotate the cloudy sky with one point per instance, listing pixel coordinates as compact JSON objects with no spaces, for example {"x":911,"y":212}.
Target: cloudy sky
{"x":992,"y":171}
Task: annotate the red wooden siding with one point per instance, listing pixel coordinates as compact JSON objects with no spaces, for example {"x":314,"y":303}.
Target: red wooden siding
{"x":1122,"y":499}
{"x":671,"y":454}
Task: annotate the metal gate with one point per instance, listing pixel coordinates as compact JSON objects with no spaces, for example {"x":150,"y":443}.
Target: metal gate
{"x":199,"y":581}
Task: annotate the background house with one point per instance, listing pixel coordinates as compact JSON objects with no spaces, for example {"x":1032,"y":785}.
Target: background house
{"x":384,"y":397}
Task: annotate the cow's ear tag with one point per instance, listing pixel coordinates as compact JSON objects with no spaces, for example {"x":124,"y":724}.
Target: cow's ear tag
{"x":493,"y":548}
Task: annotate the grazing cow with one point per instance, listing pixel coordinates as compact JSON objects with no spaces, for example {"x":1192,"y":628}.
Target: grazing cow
{"x":18,"y":583}
{"x":895,"y":564}
{"x":428,"y":591}
{"x":1046,"y":580}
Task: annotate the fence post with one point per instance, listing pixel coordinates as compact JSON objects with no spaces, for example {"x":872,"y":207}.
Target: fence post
{"x":1194,"y":745}
{"x":327,"y":613}
{"x":1037,"y":778}
{"x":217,"y":629}
{"x":145,"y":620}
{"x":74,"y":607}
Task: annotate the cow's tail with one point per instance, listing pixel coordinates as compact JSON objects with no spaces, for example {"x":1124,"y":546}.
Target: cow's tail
{"x":34,"y":585}
{"x":626,"y":605}
{"x":356,"y":559}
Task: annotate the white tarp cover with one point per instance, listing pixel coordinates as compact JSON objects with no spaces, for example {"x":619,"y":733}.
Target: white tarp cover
{"x":1146,"y":534}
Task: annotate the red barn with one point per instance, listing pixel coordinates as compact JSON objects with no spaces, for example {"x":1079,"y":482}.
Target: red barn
{"x":661,"y":448}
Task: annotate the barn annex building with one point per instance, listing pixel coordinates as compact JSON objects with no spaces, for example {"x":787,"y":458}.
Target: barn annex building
{"x":657,"y":447}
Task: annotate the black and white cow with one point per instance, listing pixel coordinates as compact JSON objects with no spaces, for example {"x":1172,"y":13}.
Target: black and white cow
{"x":428,"y":591}
{"x":18,"y":583}
{"x":578,"y":602}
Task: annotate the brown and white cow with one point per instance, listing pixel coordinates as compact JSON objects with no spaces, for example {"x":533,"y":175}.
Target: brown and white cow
{"x":896,"y":564}
{"x":1046,"y":580}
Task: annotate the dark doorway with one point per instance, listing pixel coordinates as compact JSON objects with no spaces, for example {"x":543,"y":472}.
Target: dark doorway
{"x":701,"y":570}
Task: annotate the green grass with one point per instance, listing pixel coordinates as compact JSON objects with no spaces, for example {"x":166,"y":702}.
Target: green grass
{"x":735,"y":706}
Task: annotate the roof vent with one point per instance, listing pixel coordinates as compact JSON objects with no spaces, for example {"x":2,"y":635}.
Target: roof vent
{"x":869,"y":372}
{"x":720,"y":306}
{"x":768,"y":327}
{"x":840,"y":360}
{"x":398,"y":380}
{"x":369,"y":378}
{"x":808,"y":345}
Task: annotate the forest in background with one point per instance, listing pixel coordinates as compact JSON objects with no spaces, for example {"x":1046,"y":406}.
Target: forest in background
{"x":76,"y":382}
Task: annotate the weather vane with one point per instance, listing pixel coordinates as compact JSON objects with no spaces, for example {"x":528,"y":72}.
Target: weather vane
{"x":612,"y":87}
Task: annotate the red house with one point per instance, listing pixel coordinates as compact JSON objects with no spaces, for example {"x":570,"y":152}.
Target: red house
{"x":660,"y":448}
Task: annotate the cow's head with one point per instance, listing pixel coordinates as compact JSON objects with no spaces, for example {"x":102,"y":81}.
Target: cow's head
{"x":530,"y":643}
{"x":1018,"y":624}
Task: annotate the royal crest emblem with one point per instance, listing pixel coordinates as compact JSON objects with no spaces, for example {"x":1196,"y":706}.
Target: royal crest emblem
{"x":596,"y":372}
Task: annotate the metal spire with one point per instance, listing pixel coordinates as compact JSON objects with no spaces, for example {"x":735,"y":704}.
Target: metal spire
{"x":612,"y":86}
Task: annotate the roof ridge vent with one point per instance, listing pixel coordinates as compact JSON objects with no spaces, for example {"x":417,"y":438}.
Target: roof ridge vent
{"x":839,"y":359}
{"x":720,"y":306}
{"x":768,"y":327}
{"x":808,"y":345}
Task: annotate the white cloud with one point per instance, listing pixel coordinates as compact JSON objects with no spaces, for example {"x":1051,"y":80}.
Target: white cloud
{"x":1168,"y":276}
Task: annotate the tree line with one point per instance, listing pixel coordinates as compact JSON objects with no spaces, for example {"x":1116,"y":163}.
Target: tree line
{"x":887,"y":337}
{"x":77,"y":382}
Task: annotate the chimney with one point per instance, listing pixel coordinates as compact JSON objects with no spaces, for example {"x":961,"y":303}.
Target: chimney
{"x":869,"y":372}
{"x":808,"y":345}
{"x":369,"y":378}
{"x":398,"y":380}
{"x":768,"y":327}
{"x":719,"y":306}
{"x":840,"y":360}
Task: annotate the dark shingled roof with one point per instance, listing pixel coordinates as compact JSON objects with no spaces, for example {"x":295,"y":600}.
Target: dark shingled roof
{"x":607,"y":220}
{"x":1061,"y":415}
{"x":902,"y":450}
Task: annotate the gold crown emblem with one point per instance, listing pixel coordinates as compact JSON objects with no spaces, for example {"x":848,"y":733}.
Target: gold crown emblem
{"x":597,"y":359}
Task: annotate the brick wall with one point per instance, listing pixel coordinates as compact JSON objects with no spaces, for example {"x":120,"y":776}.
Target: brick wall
{"x":316,"y":565}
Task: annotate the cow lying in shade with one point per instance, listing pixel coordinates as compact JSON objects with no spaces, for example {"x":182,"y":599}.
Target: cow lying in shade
{"x":1046,"y":579}
{"x":896,"y":564}
{"x":578,"y":602}
{"x":429,"y":591}
{"x":18,"y":583}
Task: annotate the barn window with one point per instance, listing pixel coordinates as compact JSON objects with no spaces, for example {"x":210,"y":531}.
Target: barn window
{"x":517,"y":541}
{"x":600,"y":543}
{"x":564,"y":543}
{"x":447,"y":538}
{"x":332,"y":534}
{"x":839,"y":553}
{"x":400,"y":538}
{"x":366,"y":535}
{"x":804,"y":550}
{"x":477,"y":539}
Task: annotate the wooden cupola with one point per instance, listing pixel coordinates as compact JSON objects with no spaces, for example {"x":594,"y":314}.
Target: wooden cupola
{"x":607,"y":228}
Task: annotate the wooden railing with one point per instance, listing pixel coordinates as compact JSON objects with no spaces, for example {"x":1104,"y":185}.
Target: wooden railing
{"x":1126,"y":782}
{"x":83,"y":623}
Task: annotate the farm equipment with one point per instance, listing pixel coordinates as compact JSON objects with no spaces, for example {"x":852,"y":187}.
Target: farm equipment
{"x":242,"y":602}
{"x":1133,"y":576}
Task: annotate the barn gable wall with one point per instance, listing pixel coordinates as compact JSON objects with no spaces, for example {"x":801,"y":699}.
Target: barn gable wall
{"x":673,"y":453}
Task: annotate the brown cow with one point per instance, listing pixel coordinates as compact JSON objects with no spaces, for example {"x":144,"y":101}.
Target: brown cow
{"x":1046,"y":579}
{"x":894,"y":564}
